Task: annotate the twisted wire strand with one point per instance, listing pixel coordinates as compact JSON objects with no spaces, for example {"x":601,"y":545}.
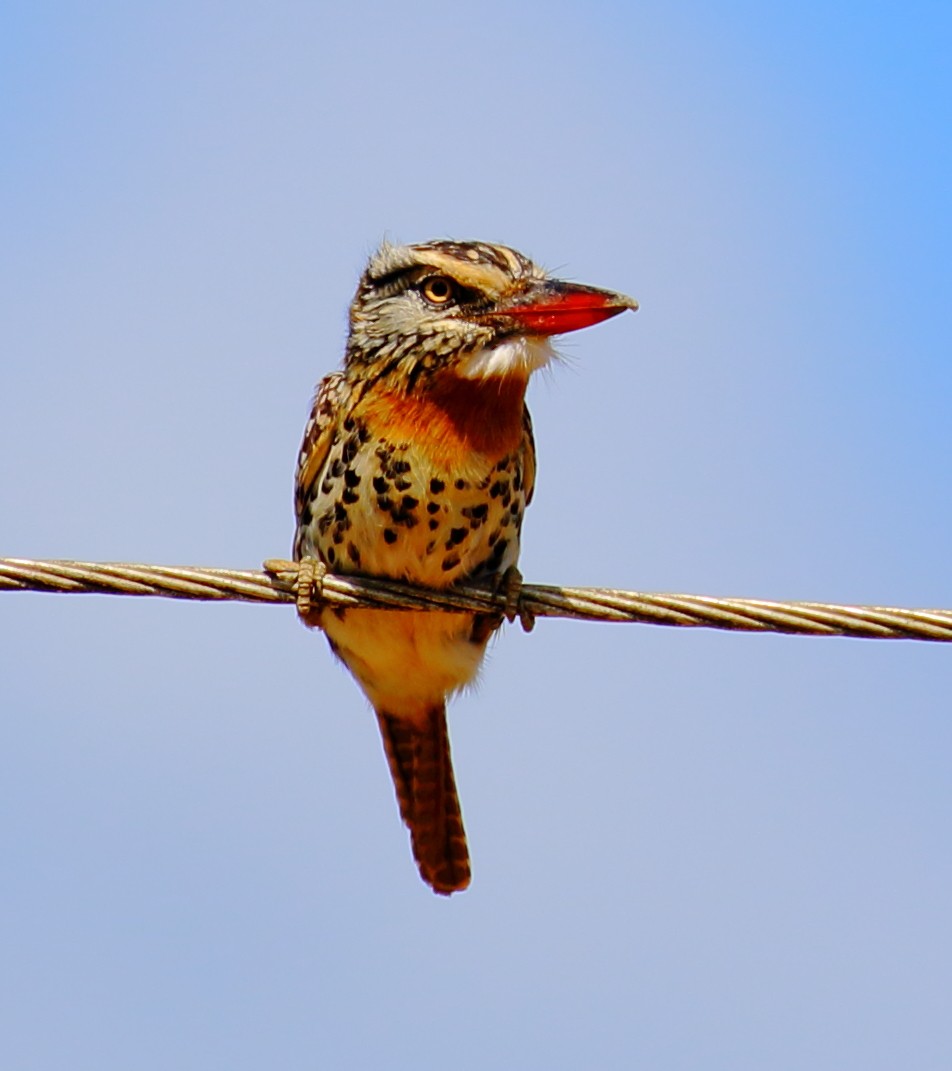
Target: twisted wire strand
{"x":278,"y":584}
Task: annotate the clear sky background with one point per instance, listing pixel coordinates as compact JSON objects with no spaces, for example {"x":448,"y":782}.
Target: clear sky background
{"x":692,"y":850}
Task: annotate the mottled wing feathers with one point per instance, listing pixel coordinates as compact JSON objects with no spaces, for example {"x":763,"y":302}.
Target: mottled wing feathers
{"x":327,"y":412}
{"x":528,"y":455}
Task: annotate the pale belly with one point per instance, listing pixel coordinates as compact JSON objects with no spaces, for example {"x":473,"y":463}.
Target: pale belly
{"x":406,"y":662}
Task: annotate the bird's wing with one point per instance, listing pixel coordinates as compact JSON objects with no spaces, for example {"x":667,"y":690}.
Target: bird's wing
{"x":529,"y":455}
{"x":330,"y":402}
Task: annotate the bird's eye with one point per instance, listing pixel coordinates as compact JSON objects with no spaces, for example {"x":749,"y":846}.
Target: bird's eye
{"x":438,"y":290}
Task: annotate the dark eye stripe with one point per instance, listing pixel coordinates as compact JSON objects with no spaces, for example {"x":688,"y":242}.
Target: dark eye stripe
{"x":394,"y":282}
{"x":416,"y":275}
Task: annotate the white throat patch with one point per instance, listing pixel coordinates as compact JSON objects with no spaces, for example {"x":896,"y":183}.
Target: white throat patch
{"x":514,"y":355}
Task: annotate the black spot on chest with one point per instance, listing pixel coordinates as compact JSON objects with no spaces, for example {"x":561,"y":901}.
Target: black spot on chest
{"x":476,"y":515}
{"x":457,"y":535}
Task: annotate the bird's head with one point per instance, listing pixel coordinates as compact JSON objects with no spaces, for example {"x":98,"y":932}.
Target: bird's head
{"x":471,"y":308}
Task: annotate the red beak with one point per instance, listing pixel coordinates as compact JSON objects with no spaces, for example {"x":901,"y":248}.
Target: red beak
{"x":554,"y":307}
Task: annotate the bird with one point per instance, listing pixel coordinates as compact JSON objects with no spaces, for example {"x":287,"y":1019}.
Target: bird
{"x":417,"y":464}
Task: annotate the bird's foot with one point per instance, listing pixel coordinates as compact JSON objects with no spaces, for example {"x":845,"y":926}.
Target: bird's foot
{"x":309,"y":589}
{"x":510,"y":585}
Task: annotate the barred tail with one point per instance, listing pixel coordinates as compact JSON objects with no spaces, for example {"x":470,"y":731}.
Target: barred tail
{"x":422,"y":771}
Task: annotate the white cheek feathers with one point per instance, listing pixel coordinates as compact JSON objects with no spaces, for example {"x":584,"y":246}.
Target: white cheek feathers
{"x":520,"y":355}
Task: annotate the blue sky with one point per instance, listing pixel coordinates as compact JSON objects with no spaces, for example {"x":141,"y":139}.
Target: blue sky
{"x":691,"y":849}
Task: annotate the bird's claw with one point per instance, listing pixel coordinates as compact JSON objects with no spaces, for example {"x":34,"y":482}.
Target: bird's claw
{"x":309,"y":588}
{"x":510,"y":585}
